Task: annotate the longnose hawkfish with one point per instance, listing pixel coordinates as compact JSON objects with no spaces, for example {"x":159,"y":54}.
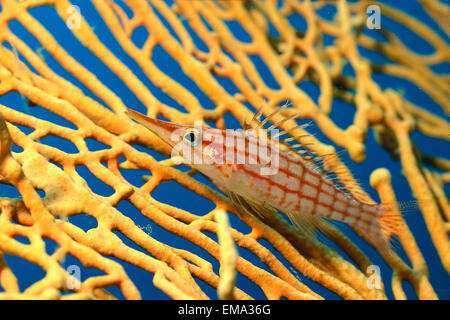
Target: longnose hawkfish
{"x":262,"y":174}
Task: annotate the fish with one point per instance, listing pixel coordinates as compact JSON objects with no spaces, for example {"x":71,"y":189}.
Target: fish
{"x":264,"y":175}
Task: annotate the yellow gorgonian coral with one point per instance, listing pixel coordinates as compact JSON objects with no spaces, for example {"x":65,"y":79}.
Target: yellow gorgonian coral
{"x":71,"y":162}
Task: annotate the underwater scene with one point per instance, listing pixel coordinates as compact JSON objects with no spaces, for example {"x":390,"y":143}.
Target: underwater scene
{"x":225,"y":149}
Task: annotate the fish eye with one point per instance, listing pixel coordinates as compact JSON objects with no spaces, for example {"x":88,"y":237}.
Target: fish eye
{"x":192,"y":137}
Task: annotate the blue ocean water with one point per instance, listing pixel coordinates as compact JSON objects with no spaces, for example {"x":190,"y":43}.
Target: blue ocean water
{"x":342,"y":114}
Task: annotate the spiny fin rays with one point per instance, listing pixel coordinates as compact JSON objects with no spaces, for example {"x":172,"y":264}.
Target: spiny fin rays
{"x":255,"y":118}
{"x":305,"y":154}
{"x":339,"y":176}
{"x":270,"y":116}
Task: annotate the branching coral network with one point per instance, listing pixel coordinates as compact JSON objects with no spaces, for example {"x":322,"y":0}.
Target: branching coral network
{"x":214,"y":56}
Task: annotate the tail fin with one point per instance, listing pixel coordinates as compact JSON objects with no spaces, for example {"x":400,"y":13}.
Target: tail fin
{"x":393,"y":215}
{"x":391,"y":221}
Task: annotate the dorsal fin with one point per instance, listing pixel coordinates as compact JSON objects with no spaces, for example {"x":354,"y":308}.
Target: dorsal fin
{"x":339,"y":176}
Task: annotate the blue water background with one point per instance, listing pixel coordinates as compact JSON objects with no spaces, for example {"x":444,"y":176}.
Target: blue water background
{"x":172,"y":193}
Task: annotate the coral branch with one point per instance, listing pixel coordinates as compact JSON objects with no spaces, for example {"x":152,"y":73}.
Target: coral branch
{"x":207,"y":60}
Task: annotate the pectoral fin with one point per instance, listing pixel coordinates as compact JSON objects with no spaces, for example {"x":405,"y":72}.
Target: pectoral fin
{"x":259,"y":210}
{"x":307,"y":224}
